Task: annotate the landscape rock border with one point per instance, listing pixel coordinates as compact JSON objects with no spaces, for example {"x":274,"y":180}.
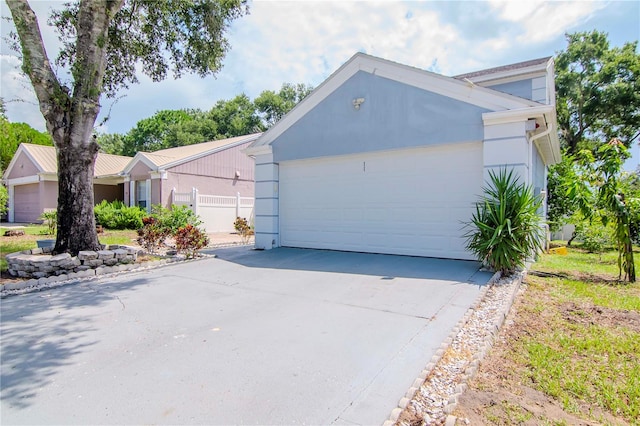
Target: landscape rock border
{"x":44,"y":283}
{"x":40,"y":263}
{"x":488,"y":327}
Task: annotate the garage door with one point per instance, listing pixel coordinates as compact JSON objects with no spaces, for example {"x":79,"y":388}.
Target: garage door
{"x":409,"y":202}
{"x":26,"y":203}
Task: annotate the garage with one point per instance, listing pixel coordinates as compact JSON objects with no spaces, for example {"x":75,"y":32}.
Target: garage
{"x":409,"y":202}
{"x":385,"y":158}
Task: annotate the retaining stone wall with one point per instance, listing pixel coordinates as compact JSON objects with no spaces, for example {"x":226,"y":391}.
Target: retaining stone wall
{"x":39,"y":263}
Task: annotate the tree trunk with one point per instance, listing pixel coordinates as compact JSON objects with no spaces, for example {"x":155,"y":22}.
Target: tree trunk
{"x":70,"y":115}
{"x":76,"y":221}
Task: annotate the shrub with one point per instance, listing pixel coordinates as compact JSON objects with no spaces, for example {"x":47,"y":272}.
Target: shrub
{"x":190,"y":239}
{"x":243,"y":228}
{"x":152,"y":234}
{"x":175,"y":218}
{"x":595,"y":237}
{"x":4,"y":198}
{"x":116,"y":215}
{"x":505,"y":228}
{"x":50,"y":219}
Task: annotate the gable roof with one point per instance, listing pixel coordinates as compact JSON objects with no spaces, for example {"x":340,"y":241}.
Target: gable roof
{"x":436,"y":83}
{"x":533,"y":65}
{"x":45,"y":159}
{"x":171,"y":157}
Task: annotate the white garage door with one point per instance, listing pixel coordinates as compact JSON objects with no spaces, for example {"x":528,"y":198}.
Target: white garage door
{"x":409,"y":202}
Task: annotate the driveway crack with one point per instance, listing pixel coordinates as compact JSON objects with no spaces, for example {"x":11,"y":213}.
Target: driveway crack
{"x":96,"y":290}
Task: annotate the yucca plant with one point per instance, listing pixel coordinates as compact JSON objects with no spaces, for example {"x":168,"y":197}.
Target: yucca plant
{"x":506,"y":228}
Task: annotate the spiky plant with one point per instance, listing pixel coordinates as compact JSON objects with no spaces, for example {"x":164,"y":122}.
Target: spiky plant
{"x":506,"y":228}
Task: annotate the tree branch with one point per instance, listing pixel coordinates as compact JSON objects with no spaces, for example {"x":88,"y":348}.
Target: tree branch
{"x":36,"y":65}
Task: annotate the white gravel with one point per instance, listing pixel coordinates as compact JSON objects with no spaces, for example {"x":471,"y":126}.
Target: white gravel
{"x":437,"y":397}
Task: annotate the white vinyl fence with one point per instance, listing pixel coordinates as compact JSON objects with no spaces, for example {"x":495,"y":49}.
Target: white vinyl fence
{"x":217,"y":212}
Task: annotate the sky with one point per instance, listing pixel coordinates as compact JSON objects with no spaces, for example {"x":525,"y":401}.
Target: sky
{"x":305,"y":41}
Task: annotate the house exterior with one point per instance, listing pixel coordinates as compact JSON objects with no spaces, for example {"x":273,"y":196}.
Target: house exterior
{"x":32,"y":181}
{"x":386,"y":158}
{"x":217,"y":168}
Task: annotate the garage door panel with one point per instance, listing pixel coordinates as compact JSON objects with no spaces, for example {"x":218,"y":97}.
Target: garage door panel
{"x":409,"y":202}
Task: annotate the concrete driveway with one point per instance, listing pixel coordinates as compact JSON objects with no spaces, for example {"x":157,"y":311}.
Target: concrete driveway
{"x":285,"y":336}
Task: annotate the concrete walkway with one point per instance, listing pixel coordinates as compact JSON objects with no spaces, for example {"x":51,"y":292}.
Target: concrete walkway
{"x":285,"y":336}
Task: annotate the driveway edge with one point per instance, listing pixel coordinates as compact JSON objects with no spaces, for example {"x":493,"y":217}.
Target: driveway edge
{"x":514,"y":285}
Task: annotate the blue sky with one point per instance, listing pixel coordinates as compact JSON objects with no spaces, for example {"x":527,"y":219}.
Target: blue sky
{"x":305,"y":41}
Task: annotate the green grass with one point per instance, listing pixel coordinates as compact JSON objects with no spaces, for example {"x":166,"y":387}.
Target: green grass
{"x":39,"y":232}
{"x":581,"y":261}
{"x":591,"y":364}
{"x":613,"y":296}
{"x":571,"y":351}
{"x":117,"y":237}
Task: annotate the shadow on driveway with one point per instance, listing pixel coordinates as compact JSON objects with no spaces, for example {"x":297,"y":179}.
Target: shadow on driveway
{"x":41,"y":332}
{"x":386,"y":266}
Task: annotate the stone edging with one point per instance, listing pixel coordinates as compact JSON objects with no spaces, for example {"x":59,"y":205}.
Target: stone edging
{"x":34,"y":285}
{"x":471,"y":371}
{"x":40,"y":263}
{"x":477,"y":357}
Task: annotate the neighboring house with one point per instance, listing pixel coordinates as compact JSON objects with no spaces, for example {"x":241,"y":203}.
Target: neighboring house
{"x":386,"y":158}
{"x":217,"y":167}
{"x":218,"y":171}
{"x":32,"y":181}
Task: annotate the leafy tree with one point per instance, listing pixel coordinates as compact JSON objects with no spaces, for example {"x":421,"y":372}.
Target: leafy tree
{"x":597,"y":99}
{"x":228,"y":118}
{"x":13,"y":134}
{"x":235,"y":117}
{"x":598,"y":92}
{"x":597,"y":188}
{"x":4,"y":198}
{"x":104,"y":43}
{"x":110,"y":143}
{"x":150,"y":134}
{"x":273,"y":106}
{"x":200,"y":129}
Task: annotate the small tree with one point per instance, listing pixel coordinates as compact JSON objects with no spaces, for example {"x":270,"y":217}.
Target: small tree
{"x":596,"y":186}
{"x":505,"y":229}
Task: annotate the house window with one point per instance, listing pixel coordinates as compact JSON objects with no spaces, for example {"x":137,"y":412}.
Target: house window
{"x":141,"y":193}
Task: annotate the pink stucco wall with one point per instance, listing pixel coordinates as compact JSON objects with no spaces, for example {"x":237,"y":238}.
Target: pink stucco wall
{"x":32,"y":199}
{"x":214,"y":174}
{"x":156,"y":191}
{"x":139,"y":172}
{"x":23,"y":167}
{"x":223,"y":164}
{"x":48,"y":195}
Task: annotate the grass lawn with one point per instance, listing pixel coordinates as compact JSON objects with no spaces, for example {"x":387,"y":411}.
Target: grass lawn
{"x":39,"y":232}
{"x":571,"y":354}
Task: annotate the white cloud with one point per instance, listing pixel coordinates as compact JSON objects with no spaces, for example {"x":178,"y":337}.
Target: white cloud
{"x":305,"y":41}
{"x":539,"y":21}
{"x":18,"y":95}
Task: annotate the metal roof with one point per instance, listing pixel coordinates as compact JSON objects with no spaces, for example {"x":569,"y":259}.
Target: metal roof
{"x":46,"y":160}
{"x":167,"y":156}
